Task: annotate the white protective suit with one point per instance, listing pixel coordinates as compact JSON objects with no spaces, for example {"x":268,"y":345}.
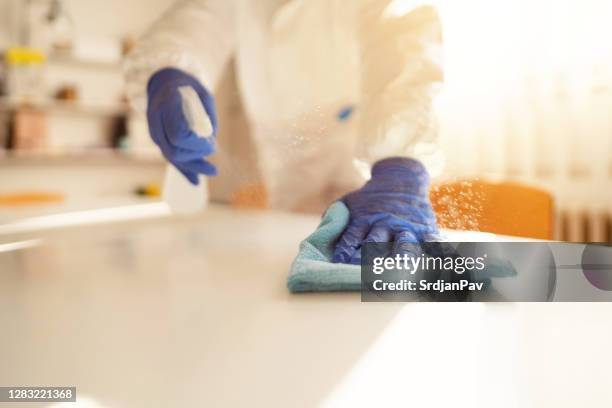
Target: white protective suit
{"x":299,"y":63}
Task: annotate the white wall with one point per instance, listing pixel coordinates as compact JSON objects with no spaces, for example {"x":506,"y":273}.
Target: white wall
{"x":97,"y":18}
{"x":528,"y":95}
{"x":115,"y":17}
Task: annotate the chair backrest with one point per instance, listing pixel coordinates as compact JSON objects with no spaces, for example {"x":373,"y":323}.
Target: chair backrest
{"x":501,"y":208}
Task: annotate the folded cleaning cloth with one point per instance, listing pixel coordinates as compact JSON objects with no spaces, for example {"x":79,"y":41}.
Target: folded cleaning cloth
{"x":312,"y":270}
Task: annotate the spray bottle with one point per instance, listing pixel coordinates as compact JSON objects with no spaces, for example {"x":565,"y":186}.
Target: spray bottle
{"x":181,"y":196}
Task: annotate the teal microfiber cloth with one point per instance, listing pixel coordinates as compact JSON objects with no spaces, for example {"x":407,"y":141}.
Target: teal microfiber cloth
{"x":312,"y":270}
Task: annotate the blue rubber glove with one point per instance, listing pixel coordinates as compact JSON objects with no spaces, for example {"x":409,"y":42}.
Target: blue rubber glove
{"x":392,"y":207}
{"x":169,"y":128}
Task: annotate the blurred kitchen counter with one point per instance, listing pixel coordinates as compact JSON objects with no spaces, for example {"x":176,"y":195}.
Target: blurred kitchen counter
{"x":78,"y":212}
{"x":83,"y":181}
{"x":183,"y":312}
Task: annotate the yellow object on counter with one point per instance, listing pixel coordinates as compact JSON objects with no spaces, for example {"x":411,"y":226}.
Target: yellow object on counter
{"x":24,"y":56}
{"x":149,"y":190}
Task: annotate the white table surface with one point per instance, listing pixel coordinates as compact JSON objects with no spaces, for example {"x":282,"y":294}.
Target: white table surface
{"x":194,"y":313}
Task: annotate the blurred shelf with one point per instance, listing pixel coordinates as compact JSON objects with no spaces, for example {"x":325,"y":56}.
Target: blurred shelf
{"x":66,"y":107}
{"x":93,"y":156}
{"x":73,"y":61}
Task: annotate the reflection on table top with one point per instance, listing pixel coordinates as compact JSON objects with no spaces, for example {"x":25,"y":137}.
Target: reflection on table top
{"x":183,"y":312}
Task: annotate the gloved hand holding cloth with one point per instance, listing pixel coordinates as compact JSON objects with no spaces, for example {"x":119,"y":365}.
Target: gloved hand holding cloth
{"x":393,"y":206}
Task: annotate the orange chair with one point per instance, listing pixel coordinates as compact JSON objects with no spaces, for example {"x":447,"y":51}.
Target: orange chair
{"x":501,"y":208}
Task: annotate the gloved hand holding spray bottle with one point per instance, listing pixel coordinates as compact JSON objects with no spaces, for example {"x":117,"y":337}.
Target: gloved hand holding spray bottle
{"x":183,"y":123}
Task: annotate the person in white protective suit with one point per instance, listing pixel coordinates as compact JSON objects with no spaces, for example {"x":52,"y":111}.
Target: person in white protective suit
{"x":329,"y":87}
{"x":323,"y":82}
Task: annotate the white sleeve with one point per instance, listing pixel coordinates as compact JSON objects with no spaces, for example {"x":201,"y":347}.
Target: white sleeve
{"x":400,"y":45}
{"x":196,"y":36}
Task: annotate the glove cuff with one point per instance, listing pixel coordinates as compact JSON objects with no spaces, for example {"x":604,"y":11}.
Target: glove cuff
{"x":401,"y":174}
